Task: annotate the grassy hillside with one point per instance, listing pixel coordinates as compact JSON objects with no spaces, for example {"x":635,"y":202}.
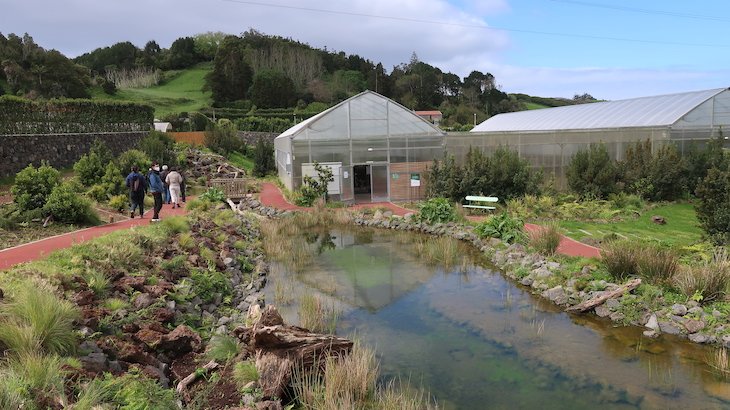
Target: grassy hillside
{"x":534,"y":106}
{"x":181,"y":92}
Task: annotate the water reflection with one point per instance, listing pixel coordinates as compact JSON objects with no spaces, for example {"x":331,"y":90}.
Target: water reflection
{"x":476,"y":340}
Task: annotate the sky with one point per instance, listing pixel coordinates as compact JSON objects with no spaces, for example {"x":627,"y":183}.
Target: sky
{"x":611,"y":49}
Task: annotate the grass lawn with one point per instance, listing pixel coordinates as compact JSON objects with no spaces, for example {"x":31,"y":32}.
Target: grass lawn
{"x":681,"y":229}
{"x":182,"y":92}
{"x":241,"y":161}
{"x":534,"y":106}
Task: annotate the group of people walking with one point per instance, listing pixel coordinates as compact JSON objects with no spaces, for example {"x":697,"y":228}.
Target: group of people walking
{"x":166,"y":185}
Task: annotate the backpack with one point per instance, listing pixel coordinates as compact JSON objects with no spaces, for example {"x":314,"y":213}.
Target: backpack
{"x":137,"y":184}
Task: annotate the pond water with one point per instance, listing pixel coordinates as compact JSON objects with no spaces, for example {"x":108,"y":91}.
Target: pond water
{"x":473,"y":339}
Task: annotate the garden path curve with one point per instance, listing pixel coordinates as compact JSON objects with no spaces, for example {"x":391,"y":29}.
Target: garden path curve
{"x":38,"y":249}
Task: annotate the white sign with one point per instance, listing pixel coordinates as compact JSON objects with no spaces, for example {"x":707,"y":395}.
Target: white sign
{"x":415,"y":182}
{"x":345,"y":174}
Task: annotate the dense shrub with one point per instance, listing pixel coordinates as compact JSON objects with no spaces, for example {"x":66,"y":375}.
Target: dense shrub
{"x":713,"y":208}
{"x":33,"y":185}
{"x":89,"y":169}
{"x":66,"y":205}
{"x":264,"y":124}
{"x":658,"y":176}
{"x":263,"y":158}
{"x":222,"y":137}
{"x":131,"y":158}
{"x":503,"y":174}
{"x":591,"y":173}
{"x":436,"y":210}
{"x":699,"y":161}
{"x":504,"y":227}
{"x":119,"y":202}
{"x":159,"y":147}
{"x":315,"y":188}
{"x":213,"y":195}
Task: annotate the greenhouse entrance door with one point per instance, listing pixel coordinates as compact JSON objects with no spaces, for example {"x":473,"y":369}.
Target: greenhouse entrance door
{"x":370,"y":182}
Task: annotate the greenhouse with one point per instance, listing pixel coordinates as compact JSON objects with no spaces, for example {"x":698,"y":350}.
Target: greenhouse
{"x":549,"y":137}
{"x":377,"y":149}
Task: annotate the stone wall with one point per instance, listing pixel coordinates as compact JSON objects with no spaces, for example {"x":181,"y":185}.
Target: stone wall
{"x":60,"y":150}
{"x":252,"y":137}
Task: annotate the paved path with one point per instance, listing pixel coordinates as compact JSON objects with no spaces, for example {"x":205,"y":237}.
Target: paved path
{"x":271,"y":196}
{"x":41,"y":248}
{"x":571,"y":247}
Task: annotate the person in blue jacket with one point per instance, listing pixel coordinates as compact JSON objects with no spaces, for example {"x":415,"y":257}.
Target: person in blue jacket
{"x":156,"y":189}
{"x":137,"y":187}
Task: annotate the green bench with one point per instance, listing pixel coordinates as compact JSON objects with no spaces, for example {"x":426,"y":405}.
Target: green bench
{"x":477,"y":202}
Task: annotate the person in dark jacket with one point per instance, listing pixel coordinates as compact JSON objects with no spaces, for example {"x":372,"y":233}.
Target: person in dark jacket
{"x":137,"y":188}
{"x":156,"y":189}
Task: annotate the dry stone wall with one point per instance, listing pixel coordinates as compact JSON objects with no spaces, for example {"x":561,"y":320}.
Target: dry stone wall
{"x":60,"y":150}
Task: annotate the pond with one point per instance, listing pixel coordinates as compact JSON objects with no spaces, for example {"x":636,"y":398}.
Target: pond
{"x":473,"y":339}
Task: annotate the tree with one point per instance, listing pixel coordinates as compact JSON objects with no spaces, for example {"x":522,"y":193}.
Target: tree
{"x":207,"y":44}
{"x":315,"y":188}
{"x":33,"y":185}
{"x":182,"y":53}
{"x":713,"y":209}
{"x":159,"y":147}
{"x":272,"y":89}
{"x":231,"y":76}
{"x":263,"y":158}
{"x":592,"y":173}
{"x":222,"y":137}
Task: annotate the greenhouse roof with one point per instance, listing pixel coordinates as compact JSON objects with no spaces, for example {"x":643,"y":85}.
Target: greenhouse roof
{"x":661,"y":110}
{"x":368,"y":114}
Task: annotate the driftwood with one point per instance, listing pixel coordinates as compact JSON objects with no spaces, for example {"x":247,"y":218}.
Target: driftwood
{"x":281,"y":350}
{"x":189,"y":379}
{"x":597,"y":301}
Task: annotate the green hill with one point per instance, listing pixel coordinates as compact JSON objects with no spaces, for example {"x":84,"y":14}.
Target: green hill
{"x":181,"y":91}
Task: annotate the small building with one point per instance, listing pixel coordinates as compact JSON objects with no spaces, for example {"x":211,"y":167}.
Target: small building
{"x":163,"y":126}
{"x":549,"y":137}
{"x":377,"y":149}
{"x":434,"y":117}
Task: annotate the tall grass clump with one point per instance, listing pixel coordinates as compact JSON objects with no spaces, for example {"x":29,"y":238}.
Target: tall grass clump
{"x":222,"y":348}
{"x":706,"y":282}
{"x":283,"y":242}
{"x":175,"y":225}
{"x":546,"y":239}
{"x":245,"y":372}
{"x":35,"y":319}
{"x":442,"y":251}
{"x":316,"y":316}
{"x":31,"y":378}
{"x":657,"y":265}
{"x":621,"y":259}
{"x":350,"y":382}
{"x":720,"y":362}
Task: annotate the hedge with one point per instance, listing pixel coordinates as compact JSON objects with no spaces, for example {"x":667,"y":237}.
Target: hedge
{"x":64,"y":116}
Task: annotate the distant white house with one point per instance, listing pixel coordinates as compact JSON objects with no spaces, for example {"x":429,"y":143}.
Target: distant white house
{"x":434,"y":117}
{"x":163,"y":126}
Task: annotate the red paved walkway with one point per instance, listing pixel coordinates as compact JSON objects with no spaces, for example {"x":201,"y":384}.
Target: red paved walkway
{"x":571,"y":247}
{"x":271,"y":196}
{"x":38,"y":249}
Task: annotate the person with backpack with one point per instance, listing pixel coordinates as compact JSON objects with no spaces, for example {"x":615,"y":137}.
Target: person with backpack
{"x":137,"y":187}
{"x":156,"y":189}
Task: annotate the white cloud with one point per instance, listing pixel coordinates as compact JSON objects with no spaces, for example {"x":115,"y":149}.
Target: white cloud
{"x":606,"y":83}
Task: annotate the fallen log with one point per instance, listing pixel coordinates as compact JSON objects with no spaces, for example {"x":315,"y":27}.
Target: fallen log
{"x":597,"y":301}
{"x":281,"y":350}
{"x":189,"y":379}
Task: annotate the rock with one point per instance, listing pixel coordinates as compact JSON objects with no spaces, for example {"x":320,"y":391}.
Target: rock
{"x":658,"y":219}
{"x":699,"y":338}
{"x":717,"y":314}
{"x":143,"y":300}
{"x":269,"y":405}
{"x":85,"y":297}
{"x":693,"y":326}
{"x":180,"y":341}
{"x":652,"y":334}
{"x":617,"y":316}
{"x":115,"y":367}
{"x":516,"y":247}
{"x":224,"y":320}
{"x":494,"y":242}
{"x":556,"y":294}
{"x":378,"y":215}
{"x":652,"y":324}
{"x":612,"y":304}
{"x":542,"y":273}
{"x":602,"y":311}
{"x":527,"y":281}
{"x":96,"y":362}
{"x":695,"y":310}
{"x":669,"y":327}
{"x":128,"y":283}
{"x":164,"y":315}
{"x":553,"y":265}
{"x":388,"y":214}
{"x":679,"y":309}
{"x":228,"y":261}
{"x":149,"y":337}
{"x":726,"y":340}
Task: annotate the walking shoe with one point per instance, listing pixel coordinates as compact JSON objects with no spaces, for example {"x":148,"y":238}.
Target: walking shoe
{"x":155,"y":219}
{"x":131,"y":215}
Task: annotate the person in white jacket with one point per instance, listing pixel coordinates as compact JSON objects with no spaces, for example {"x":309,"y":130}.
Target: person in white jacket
{"x":173,"y":181}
